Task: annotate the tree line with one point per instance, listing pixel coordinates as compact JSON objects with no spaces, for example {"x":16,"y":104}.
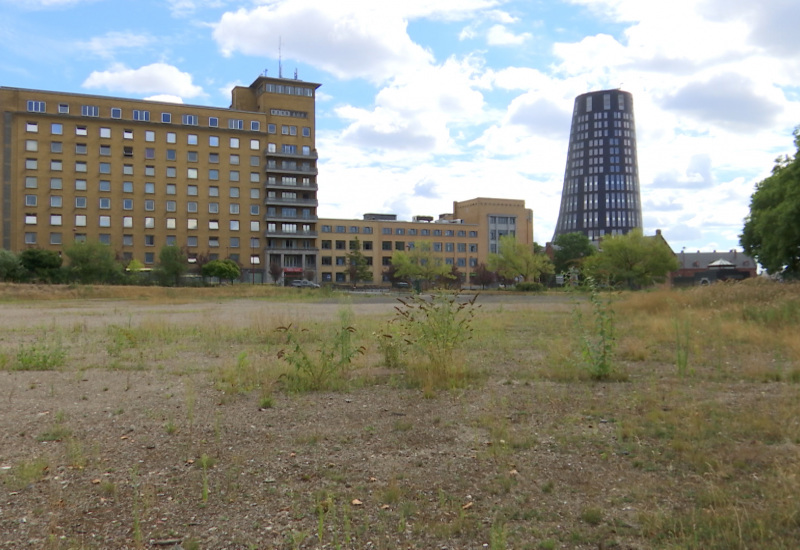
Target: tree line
{"x":96,"y":263}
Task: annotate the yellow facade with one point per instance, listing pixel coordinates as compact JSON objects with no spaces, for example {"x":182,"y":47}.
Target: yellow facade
{"x":463,"y":239}
{"x":139,"y":175}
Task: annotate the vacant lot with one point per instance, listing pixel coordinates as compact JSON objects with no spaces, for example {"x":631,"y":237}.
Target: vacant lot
{"x":144,"y":418}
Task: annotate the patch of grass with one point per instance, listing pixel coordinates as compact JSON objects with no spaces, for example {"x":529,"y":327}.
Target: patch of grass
{"x":41,"y":355}
{"x":592,"y":516}
{"x":26,"y":473}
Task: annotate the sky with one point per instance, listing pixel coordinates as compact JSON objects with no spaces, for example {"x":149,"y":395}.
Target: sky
{"x":426,"y":102}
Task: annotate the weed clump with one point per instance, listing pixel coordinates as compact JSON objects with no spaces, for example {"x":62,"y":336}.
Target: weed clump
{"x":435,"y":329}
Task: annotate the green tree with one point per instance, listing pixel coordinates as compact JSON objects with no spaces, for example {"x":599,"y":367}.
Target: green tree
{"x":420,"y":264}
{"x":44,"y":265}
{"x":10,"y":266}
{"x":172,"y":264}
{"x":224,"y":270}
{"x":771,"y":232}
{"x":357,"y":266}
{"x":93,"y":262}
{"x":632,"y":259}
{"x":570,"y":251}
{"x":483,"y":275}
{"x":515,"y":259}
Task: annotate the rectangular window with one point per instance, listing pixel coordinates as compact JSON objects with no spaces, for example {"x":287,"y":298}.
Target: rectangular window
{"x":149,"y":223}
{"x":191,"y":206}
{"x":105,"y":221}
{"x":166,"y":118}
{"x":189,"y":120}
{"x":271,"y":129}
{"x":255,"y":125}
{"x":31,"y":182}
{"x":56,"y":201}
{"x":149,"y":205}
{"x":191,"y":139}
{"x":127,"y":134}
{"x":63,"y":109}
{"x":127,"y":221}
{"x":213,"y":122}
{"x":172,"y":206}
{"x":32,"y":127}
{"x":213,"y":141}
{"x":127,"y":204}
{"x":36,"y":106}
{"x":80,"y":202}
{"x":30,"y":200}
{"x":234,"y":143}
{"x":56,"y":129}
{"x":234,"y":208}
{"x":235,"y":124}
{"x":149,"y":240}
{"x":141,"y":115}
{"x":56,"y":183}
{"x":105,"y":203}
{"x":116,"y":112}
{"x":80,"y":185}
{"x":104,"y":185}
{"x":81,"y":131}
{"x":234,"y":225}
{"x":172,"y":137}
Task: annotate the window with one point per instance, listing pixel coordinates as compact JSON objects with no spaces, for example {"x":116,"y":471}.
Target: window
{"x":30,"y":219}
{"x":104,"y":185}
{"x":213,"y":141}
{"x":213,"y":122}
{"x":172,"y":240}
{"x":127,"y":187}
{"x":255,"y":194}
{"x":55,"y":238}
{"x":127,"y":204}
{"x":234,"y":208}
{"x":172,"y":189}
{"x":234,"y":159}
{"x":56,"y":166}
{"x":80,"y":202}
{"x":80,"y":220}
{"x":81,"y":131}
{"x":234,"y":242}
{"x":31,"y":164}
{"x":90,"y":110}
{"x":213,"y":158}
{"x":254,"y":210}
{"x":149,"y":257}
{"x":271,"y":129}
{"x":105,"y":221}
{"x":189,"y":120}
{"x":172,"y":172}
{"x":127,"y":240}
{"x":141,"y":115}
{"x":191,"y":139}
{"x":31,"y":182}
{"x":149,"y":205}
{"x":63,"y":109}
{"x":191,"y":241}
{"x":213,"y":208}
{"x":105,"y":150}
{"x":32,"y":127}
{"x":56,"y":183}
{"x":31,"y":145}
{"x":80,"y":185}
{"x":234,"y":143}
{"x":127,"y":169}
{"x":235,"y":124}
{"x":172,"y":206}
{"x":36,"y":106}
{"x":233,"y":193}
{"x":127,"y":221}
{"x":30,"y":238}
{"x":149,"y":223}
{"x":233,"y":175}
{"x":149,"y":170}
{"x":149,"y":240}
{"x":116,"y":112}
{"x":191,"y":223}
{"x":30,"y":200}
{"x":166,"y":118}
{"x":255,"y":145}
{"x":213,"y":242}
{"x":172,"y":154}
{"x":149,"y":136}
{"x":56,"y":129}
{"x":105,"y":203}
{"x":306,"y":131}
{"x":234,"y":225}
{"x":191,"y":173}
{"x":56,"y":201}
{"x":191,"y":190}
{"x":172,"y":137}
{"x":172,"y":223}
{"x":191,"y":206}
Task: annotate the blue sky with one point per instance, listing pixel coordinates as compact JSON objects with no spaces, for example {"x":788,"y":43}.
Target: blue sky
{"x":425,"y":102}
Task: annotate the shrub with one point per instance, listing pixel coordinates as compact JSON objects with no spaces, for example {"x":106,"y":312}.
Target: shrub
{"x":529,"y":287}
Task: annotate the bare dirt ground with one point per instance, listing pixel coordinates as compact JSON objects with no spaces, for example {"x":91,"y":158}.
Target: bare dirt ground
{"x":139,"y":448}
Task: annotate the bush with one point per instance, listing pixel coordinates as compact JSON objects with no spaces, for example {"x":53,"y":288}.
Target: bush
{"x":529,"y":287}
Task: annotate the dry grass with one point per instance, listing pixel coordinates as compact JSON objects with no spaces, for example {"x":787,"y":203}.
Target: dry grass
{"x":526,"y":453}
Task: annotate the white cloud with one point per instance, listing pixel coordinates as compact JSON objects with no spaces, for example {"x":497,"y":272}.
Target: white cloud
{"x":499,"y":35}
{"x":165,"y":98}
{"x":157,"y":78}
{"x":108,"y":44}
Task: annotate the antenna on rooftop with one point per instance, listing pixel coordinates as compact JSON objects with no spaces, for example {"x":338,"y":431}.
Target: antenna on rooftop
{"x":265,"y":72}
{"x":280,"y":59}
{"x":295,"y":73}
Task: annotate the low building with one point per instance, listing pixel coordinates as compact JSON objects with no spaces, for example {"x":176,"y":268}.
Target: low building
{"x":699,"y":268}
{"x":463,"y":239}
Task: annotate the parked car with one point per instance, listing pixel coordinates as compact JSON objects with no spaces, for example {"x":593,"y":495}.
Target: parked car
{"x":302,"y":283}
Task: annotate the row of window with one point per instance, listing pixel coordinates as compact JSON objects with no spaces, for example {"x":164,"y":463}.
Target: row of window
{"x":32,"y":182}
{"x":56,"y":220}
{"x":56,"y":201}
{"x":82,"y":167}
{"x":399,"y":231}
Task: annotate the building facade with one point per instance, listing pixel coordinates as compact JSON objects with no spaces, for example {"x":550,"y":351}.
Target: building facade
{"x":601,"y":194}
{"x":463,"y":239}
{"x":238,"y":183}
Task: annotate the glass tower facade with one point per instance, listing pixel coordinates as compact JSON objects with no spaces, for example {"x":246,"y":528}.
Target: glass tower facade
{"x":601,"y":180}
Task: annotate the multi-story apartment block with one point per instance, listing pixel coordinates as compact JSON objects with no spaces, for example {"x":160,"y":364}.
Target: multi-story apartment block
{"x":463,"y":239}
{"x":237,"y":183}
{"x":601,"y":180}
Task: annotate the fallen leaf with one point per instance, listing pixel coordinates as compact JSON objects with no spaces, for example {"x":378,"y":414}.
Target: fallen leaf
{"x":96,"y":481}
{"x":356,"y":502}
{"x":467,"y":506}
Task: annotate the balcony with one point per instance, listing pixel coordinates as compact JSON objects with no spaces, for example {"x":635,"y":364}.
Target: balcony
{"x":299,"y":156}
{"x":280,"y":218}
{"x":290,"y":167}
{"x":291,"y":234}
{"x":278,"y":201}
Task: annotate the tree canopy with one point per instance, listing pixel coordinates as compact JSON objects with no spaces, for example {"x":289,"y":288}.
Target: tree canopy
{"x":570,"y":251}
{"x":631,"y":259}
{"x":41,"y":264}
{"x":357,"y":266}
{"x":172,"y":264}
{"x":419,"y":263}
{"x":226,"y":270}
{"x":93,"y":262}
{"x":771,"y":232}
{"x":515,"y":259}
{"x":10,"y":266}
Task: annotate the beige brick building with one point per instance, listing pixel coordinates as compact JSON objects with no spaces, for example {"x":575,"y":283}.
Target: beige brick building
{"x":463,"y":239}
{"x":236,"y":183}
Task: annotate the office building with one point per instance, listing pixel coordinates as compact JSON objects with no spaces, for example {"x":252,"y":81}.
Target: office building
{"x":463,"y":239}
{"x":601,"y":195}
{"x":237,"y":183}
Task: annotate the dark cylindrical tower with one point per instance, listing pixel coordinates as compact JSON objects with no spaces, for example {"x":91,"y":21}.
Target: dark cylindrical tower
{"x":601,"y":180}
